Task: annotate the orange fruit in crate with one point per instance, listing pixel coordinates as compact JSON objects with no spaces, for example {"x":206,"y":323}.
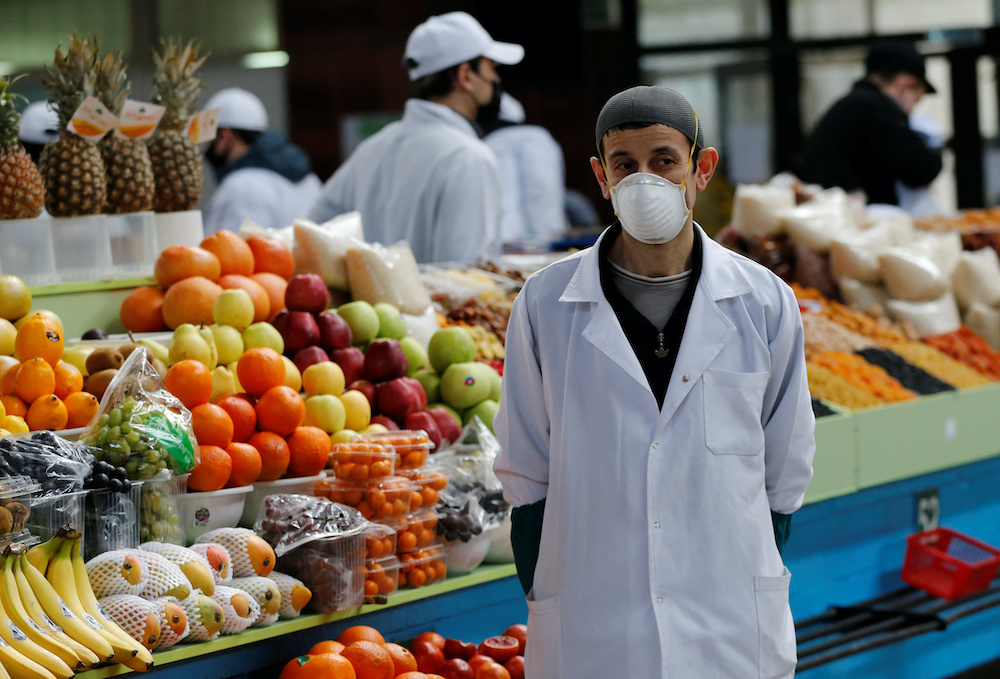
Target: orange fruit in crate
{"x":258,"y":295}
{"x":310,"y":451}
{"x":272,"y":256}
{"x":81,"y":407}
{"x":327,"y":646}
{"x":260,"y":369}
{"x":241,"y":412}
{"x":190,"y":381}
{"x":212,"y":471}
{"x":9,"y":379}
{"x":39,"y":336}
{"x":246,"y":464}
{"x":178,"y":262}
{"x":212,"y":425}
{"x":360,"y":633}
{"x":190,"y":300}
{"x":274,"y":454}
{"x":235,"y":256}
{"x":274,"y":285}
{"x":69,"y":379}
{"x":14,"y":406}
{"x":280,"y":410}
{"x":142,"y":310}
{"x":402,"y":659}
{"x":371,"y":660}
{"x":35,"y":379}
{"x":47,"y":412}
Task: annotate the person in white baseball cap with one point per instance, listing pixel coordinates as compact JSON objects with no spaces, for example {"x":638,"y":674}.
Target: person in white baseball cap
{"x":429,"y":179}
{"x":262,"y":176}
{"x":39,"y":126}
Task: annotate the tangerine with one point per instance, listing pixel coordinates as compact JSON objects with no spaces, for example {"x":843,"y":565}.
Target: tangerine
{"x":272,"y":256}
{"x":177,"y":262}
{"x":360,"y":633}
{"x":402,"y":659}
{"x":142,"y":310}
{"x":274,"y":454}
{"x":241,"y":412}
{"x":412,"y":675}
{"x":190,"y":381}
{"x":492,"y":670}
{"x":212,"y":425}
{"x":47,"y":412}
{"x":280,"y":410}
{"x":310,"y":451}
{"x":212,"y":471}
{"x":327,"y":646}
{"x":190,"y":300}
{"x":274,"y":285}
{"x":326,"y":666}
{"x":36,"y":378}
{"x":235,"y":256}
{"x":69,"y":379}
{"x":371,"y":660}
{"x":246,"y":464}
{"x":13,"y":405}
{"x":260,"y":369}
{"x":39,"y":336}
{"x":9,"y":379}
{"x":258,"y":295}
{"x":81,"y":407}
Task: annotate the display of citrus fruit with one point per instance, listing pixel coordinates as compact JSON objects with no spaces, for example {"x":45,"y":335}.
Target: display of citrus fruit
{"x":246,"y":464}
{"x":35,"y":378}
{"x":69,"y":379}
{"x":212,"y":471}
{"x":39,"y":336}
{"x":280,"y":410}
{"x":371,"y":660}
{"x":190,"y":381}
{"x":81,"y":407}
{"x":260,"y":369}
{"x":242,"y":413}
{"x":212,"y":425}
{"x":274,"y":454}
{"x":310,"y":451}
{"x":47,"y":412}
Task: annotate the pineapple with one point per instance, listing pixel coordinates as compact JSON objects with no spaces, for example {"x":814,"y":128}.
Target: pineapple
{"x":126,"y":161}
{"x":175,"y":157}
{"x":22,"y":193}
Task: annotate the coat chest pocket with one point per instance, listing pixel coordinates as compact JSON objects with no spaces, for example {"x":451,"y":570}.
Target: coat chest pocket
{"x":733,"y":405}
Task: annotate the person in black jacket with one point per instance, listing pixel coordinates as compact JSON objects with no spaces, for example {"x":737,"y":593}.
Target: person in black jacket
{"x":865,"y":141}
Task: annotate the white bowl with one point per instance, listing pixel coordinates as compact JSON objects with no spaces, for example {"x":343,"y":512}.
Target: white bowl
{"x":205,"y":511}
{"x":462,"y":557}
{"x":299,"y":485}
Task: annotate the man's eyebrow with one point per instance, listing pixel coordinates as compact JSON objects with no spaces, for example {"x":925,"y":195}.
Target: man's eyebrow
{"x":655,"y":151}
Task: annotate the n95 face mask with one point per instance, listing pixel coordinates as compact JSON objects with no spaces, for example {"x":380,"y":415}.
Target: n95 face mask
{"x":650,"y":208}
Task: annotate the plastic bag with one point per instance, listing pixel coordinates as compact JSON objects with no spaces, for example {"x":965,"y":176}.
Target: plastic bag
{"x":756,"y":209}
{"x":289,"y":521}
{"x":855,"y":255}
{"x":285,"y":234}
{"x":935,"y":317}
{"x":387,"y":274}
{"x":977,"y":278}
{"x":912,"y":276}
{"x":984,"y":320}
{"x":322,"y":248}
{"x":815,"y":224}
{"x":140,"y":425}
{"x":862,"y":295}
{"x":58,"y":465}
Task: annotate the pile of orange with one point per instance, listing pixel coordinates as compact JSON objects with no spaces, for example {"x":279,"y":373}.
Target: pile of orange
{"x":189,"y":279}
{"x":360,"y":652}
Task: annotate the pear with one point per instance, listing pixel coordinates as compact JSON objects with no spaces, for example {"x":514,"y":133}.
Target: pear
{"x":223,"y":383}
{"x":77,"y":356}
{"x":233,"y":307}
{"x":228,"y":342}
{"x":213,"y":349}
{"x":188,"y":343}
{"x":158,"y":350}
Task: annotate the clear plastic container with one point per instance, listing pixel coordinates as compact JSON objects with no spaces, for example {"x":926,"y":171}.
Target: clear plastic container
{"x":51,"y":512}
{"x":26,"y":251}
{"x":298,"y":485}
{"x":362,"y":461}
{"x":134,"y":247}
{"x":380,"y":541}
{"x":418,"y":531}
{"x":179,"y":228}
{"x":332,"y":568}
{"x":160,"y":512}
{"x":82,"y":248}
{"x":423,"y":567}
{"x":378,"y":501}
{"x":381,"y":578}
{"x":15,"y":503}
{"x":429,"y":481}
{"x":112,"y":520}
{"x":412,"y":446}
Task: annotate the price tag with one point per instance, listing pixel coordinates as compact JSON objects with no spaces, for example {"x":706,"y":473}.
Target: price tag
{"x":203,"y":126}
{"x":139,"y":119}
{"x":92,"y":119}
{"x":928,"y":510}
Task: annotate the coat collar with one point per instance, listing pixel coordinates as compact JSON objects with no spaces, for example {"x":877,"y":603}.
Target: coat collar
{"x":423,"y":112}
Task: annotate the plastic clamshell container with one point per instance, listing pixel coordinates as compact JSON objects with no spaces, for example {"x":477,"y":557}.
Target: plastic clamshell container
{"x":134,"y":247}
{"x":296,"y":485}
{"x":159,"y":510}
{"x":51,"y":512}
{"x":423,"y":567}
{"x":16,"y":493}
{"x":412,"y":446}
{"x":26,"y":250}
{"x":362,"y":461}
{"x":380,"y":540}
{"x":381,"y":578}
{"x":380,"y":500}
{"x":205,"y":511}
{"x":82,"y":248}
{"x":429,"y":481}
{"x":179,"y":228}
{"x":418,"y":531}
{"x":333,"y":568}
{"x":112,"y":520}
{"x":948,"y":564}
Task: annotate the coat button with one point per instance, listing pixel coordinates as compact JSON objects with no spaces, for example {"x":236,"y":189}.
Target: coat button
{"x":686,"y":378}
{"x":659,"y":599}
{"x":655,"y":446}
{"x":656,"y":524}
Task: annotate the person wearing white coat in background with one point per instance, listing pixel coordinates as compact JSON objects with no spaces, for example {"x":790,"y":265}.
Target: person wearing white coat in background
{"x":262,"y":176}
{"x":532,"y":176}
{"x":656,"y":429}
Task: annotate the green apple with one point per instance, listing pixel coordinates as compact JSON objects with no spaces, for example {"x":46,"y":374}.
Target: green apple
{"x":416,"y":357}
{"x":223,"y":383}
{"x":344,"y":436}
{"x":293,"y":378}
{"x":233,"y":307}
{"x":431,"y":382}
{"x":390,"y":321}
{"x":359,"y":410}
{"x":465,"y":384}
{"x":325,"y":411}
{"x":485,"y":409}
{"x":362,"y":318}
{"x":450,"y":345}
{"x":325,"y":377}
{"x":375,"y":428}
{"x":497,"y":384}
{"x":263,"y":334}
{"x":228,"y":342}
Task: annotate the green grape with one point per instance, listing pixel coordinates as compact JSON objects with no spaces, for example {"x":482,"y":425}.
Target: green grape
{"x":132,"y":466}
{"x":114,"y":433}
{"x":134,"y":439}
{"x":116,"y":458}
{"x":103,"y":419}
{"x":150,"y":456}
{"x":126,"y":428}
{"x":160,"y":464}
{"x":126,"y":448}
{"x":100,"y":437}
{"x":115,"y":418}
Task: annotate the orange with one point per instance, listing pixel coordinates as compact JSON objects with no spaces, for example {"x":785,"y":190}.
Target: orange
{"x":360,"y":633}
{"x":274,"y":285}
{"x":246,"y":464}
{"x":212,"y":425}
{"x":35,"y":379}
{"x":280,"y":410}
{"x":178,"y":262}
{"x":258,"y":295}
{"x":260,"y":369}
{"x":69,"y":379}
{"x":190,"y":300}
{"x":492,"y":670}
{"x":81,"y":407}
{"x":327,"y":646}
{"x":8,"y":380}
{"x":413,"y":675}
{"x":39,"y":336}
{"x":15,"y":406}
{"x":212,"y":471}
{"x":432,"y":637}
{"x":190,"y":381}
{"x":142,"y":310}
{"x":318,"y":666}
{"x":272,"y":256}
{"x":235,"y":256}
{"x":402,"y":659}
{"x":310,"y":451}
{"x":241,"y":412}
{"x":47,"y":412}
{"x":274,"y":455}
{"x":371,"y":660}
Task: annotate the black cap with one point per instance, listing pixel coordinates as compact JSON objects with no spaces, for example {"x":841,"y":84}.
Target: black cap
{"x":897,"y":56}
{"x":650,"y":105}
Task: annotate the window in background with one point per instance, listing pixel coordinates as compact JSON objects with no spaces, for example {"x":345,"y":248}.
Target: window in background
{"x":672,"y":22}
{"x":224,"y":27}
{"x":828,"y":18}
{"x":916,"y":16}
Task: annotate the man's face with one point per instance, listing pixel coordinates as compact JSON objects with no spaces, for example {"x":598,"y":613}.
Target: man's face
{"x":483,"y":81}
{"x":907,"y":90}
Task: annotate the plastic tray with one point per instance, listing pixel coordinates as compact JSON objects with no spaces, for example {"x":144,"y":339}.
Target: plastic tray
{"x":82,"y":248}
{"x":380,"y":541}
{"x":26,"y":251}
{"x":381,"y":500}
{"x":948,"y":564}
{"x":134,"y":247}
{"x":412,"y":446}
{"x":15,"y":498}
{"x":50,"y":513}
{"x":423,"y":567}
{"x":429,"y":481}
{"x":333,"y":568}
{"x":362,"y":461}
{"x":112,"y":520}
{"x":381,"y":578}
{"x":417,"y":532}
{"x":159,"y":510}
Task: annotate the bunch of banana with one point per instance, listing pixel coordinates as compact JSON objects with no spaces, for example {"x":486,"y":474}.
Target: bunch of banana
{"x":51,"y":580}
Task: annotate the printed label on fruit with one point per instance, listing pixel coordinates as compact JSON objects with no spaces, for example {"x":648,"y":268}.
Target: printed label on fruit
{"x":92,"y":119}
{"x":52,"y":625}
{"x":203,"y":126}
{"x":92,"y":621}
{"x":15,"y":632}
{"x":37,"y":627}
{"x":3,"y":643}
{"x":66,"y":610}
{"x":174,"y":439}
{"x":138,"y":119}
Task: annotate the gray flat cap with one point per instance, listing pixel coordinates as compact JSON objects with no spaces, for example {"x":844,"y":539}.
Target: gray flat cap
{"x":650,"y":105}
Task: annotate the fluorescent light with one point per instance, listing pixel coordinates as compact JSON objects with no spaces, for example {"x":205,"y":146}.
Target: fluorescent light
{"x":265,"y":60}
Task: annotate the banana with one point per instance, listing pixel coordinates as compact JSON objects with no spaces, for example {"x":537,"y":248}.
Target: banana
{"x":19,"y":641}
{"x":20,"y":666}
{"x":11,"y":602}
{"x":41,"y":554}
{"x":53,"y":607}
{"x":158,"y":350}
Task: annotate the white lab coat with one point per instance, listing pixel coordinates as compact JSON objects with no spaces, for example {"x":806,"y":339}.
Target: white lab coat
{"x":263,"y":196}
{"x":427,"y":179}
{"x":657,"y":556}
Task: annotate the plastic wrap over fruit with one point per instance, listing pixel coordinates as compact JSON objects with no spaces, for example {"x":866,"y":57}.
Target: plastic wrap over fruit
{"x":473,"y":499}
{"x":290,"y":521}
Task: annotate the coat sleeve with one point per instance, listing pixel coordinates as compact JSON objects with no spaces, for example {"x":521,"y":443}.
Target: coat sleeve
{"x":905,"y":150}
{"x":544,"y":187}
{"x":238,"y":198}
{"x":332,"y":197}
{"x":468,"y":210}
{"x":788,"y":420}
{"x":522,"y":422}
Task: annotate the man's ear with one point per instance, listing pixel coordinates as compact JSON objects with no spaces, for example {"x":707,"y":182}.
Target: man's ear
{"x":463,"y":77}
{"x":705,"y":165}
{"x":602,"y":180}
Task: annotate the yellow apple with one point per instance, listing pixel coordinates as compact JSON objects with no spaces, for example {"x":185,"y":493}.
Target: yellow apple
{"x":359,"y":410}
{"x":293,"y":378}
{"x":325,"y":377}
{"x":325,"y":411}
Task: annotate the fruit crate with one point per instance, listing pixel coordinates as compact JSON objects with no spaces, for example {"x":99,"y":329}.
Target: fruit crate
{"x":362,"y":461}
{"x":412,"y":446}
{"x":429,"y":481}
{"x":422,"y":567}
{"x":381,"y":578}
{"x":948,"y":564}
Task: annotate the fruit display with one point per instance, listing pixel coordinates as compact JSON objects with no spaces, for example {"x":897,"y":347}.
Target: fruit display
{"x":58,"y":466}
{"x":295,"y":596}
{"x":23,"y":193}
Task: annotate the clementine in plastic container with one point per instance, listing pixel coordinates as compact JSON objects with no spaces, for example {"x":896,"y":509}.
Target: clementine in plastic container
{"x":142,"y":310}
{"x":361,"y":461}
{"x":412,"y":446}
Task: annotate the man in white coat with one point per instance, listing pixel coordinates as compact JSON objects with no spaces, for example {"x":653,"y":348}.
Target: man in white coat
{"x":656,"y":427}
{"x":429,"y":179}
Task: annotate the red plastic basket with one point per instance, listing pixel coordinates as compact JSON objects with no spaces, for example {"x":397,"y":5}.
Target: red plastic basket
{"x":948,"y":564}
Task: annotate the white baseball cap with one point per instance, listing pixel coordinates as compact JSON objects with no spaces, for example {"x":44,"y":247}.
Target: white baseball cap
{"x":39,"y":124}
{"x":451,"y":39}
{"x":239,"y":109}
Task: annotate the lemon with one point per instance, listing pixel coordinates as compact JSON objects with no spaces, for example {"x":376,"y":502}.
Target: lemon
{"x":8,"y":333}
{"x":3,"y":411}
{"x":15,"y":298}
{"x":14,"y":424}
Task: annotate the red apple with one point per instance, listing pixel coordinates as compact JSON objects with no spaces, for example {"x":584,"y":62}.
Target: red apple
{"x":351,"y":360}
{"x":334,"y":332}
{"x":456,"y":648}
{"x":451,"y":430}
{"x":297,"y":328}
{"x":515,"y":667}
{"x":499,"y":648}
{"x":456,"y":668}
{"x":304,"y":358}
{"x":386,"y":422}
{"x":397,"y":398}
{"x":429,"y":657}
{"x":424,"y":420}
{"x":385,"y":360}
{"x":307,"y":292}
{"x":369,"y":390}
{"x":418,"y":389}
